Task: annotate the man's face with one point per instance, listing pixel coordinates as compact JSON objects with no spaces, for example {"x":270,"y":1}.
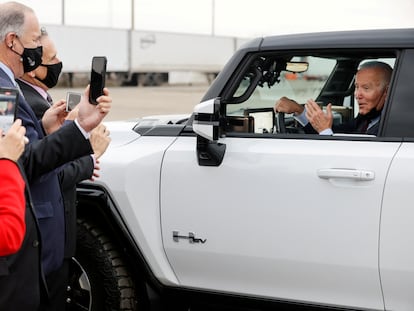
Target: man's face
{"x":370,"y":91}
{"x":29,"y":38}
{"x":49,"y":56}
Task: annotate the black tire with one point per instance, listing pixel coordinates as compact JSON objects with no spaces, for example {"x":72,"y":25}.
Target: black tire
{"x":99,"y":276}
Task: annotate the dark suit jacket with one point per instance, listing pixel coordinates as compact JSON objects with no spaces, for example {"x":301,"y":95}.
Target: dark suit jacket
{"x":46,"y":196}
{"x":35,"y":100}
{"x":21,"y":279}
{"x":69,"y":176}
{"x":74,"y":172}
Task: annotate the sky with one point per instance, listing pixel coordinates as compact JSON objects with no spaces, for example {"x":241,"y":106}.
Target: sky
{"x":240,"y":18}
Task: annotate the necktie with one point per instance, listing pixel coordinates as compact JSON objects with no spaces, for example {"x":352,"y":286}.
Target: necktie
{"x":364,"y":126}
{"x":49,"y":99}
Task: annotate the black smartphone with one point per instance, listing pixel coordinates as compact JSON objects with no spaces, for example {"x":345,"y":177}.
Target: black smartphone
{"x":72,"y":99}
{"x":98,"y":74}
{"x":9,"y":99}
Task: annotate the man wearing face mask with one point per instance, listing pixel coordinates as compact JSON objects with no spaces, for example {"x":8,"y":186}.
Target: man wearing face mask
{"x":34,"y":86}
{"x":21,"y":277}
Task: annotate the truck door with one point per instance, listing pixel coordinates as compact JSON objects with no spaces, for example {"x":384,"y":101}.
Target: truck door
{"x":291,"y":219}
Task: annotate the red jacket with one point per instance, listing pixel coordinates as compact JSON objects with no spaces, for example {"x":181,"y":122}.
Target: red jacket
{"x":12,"y":208}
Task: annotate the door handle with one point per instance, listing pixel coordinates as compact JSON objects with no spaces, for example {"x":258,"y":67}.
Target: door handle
{"x":362,"y":175}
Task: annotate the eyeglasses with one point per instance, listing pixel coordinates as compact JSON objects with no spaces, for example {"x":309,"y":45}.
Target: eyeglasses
{"x":43,"y":31}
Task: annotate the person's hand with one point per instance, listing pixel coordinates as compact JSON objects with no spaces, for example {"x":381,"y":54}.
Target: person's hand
{"x":287,"y":105}
{"x":318,"y":119}
{"x":99,"y":140}
{"x":12,"y":144}
{"x":96,"y":169}
{"x":90,"y":116}
{"x":73,"y":114}
{"x":54,"y":117}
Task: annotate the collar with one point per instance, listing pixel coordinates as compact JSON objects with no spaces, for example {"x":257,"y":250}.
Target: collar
{"x":373,"y":121}
{"x":8,"y":72}
{"x":41,"y":91}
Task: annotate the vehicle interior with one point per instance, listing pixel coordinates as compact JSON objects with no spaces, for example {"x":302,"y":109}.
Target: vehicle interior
{"x":324,"y":76}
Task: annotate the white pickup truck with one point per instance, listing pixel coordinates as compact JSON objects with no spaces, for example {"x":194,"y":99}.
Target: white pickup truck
{"x":236,"y":207}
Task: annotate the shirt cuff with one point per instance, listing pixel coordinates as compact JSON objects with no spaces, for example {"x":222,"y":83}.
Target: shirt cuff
{"x":301,"y":118}
{"x":84,"y":133}
{"x":326,"y":132}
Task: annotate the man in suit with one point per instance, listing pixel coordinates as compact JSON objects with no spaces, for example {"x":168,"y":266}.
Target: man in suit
{"x":12,"y":202}
{"x":371,"y":87}
{"x":21,"y":278}
{"x":34,"y":85}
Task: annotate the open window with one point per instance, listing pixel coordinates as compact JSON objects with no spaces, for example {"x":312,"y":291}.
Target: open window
{"x":328,"y":77}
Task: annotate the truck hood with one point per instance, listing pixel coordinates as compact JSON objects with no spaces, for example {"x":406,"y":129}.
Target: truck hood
{"x":122,"y":132}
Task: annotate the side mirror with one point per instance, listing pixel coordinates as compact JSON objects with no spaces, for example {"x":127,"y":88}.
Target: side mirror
{"x":206,"y":119}
{"x":206,"y":125}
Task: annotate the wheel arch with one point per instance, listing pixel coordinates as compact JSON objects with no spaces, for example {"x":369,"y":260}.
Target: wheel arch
{"x":94,"y":202}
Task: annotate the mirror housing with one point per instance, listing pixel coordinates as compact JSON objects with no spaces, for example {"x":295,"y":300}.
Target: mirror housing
{"x":207,"y":119}
{"x":206,"y":125}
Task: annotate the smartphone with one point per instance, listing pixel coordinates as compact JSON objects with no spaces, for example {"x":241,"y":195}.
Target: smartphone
{"x":9,"y":99}
{"x":98,"y":74}
{"x":72,"y":99}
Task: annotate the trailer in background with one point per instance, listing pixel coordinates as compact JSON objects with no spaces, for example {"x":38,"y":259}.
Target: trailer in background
{"x":144,"y":57}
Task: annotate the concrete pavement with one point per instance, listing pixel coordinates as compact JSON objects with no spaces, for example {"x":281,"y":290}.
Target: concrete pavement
{"x":134,"y":102}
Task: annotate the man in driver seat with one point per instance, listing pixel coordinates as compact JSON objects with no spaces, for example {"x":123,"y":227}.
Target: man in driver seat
{"x":371,"y":87}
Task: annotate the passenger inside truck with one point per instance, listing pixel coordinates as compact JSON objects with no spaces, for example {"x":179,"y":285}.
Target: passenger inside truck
{"x":324,"y":77}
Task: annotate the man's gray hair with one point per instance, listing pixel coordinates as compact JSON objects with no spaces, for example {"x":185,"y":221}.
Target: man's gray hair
{"x":12,"y":16}
{"x":384,"y":67}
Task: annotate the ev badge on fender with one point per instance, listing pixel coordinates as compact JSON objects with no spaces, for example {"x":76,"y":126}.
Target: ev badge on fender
{"x":191,"y":237}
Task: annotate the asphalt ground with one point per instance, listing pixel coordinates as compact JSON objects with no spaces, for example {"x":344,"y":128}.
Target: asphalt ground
{"x":131,"y":102}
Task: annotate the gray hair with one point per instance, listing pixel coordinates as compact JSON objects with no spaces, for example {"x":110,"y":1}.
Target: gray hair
{"x":12,"y":17}
{"x":384,"y":67}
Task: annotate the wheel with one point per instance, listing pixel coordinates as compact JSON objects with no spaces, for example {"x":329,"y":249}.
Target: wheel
{"x":99,"y":278}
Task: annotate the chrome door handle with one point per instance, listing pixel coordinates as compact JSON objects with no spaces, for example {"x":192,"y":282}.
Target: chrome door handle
{"x":363,"y":175}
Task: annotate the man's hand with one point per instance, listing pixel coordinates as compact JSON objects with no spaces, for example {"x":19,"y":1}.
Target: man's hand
{"x":96,"y":169}
{"x":54,"y":117}
{"x":287,"y":105}
{"x":12,"y":144}
{"x":73,"y":114}
{"x":318,"y":119}
{"x":90,"y":116}
{"x":99,"y":140}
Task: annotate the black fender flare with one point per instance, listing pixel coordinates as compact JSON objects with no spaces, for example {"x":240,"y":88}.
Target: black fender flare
{"x":95,"y":201}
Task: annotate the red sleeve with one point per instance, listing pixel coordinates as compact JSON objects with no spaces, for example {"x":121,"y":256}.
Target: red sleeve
{"x":12,"y":208}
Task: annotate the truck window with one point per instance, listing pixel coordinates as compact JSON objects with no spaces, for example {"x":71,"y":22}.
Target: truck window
{"x":328,"y":79}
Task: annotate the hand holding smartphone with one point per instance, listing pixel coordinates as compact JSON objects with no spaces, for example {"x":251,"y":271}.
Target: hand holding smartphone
{"x":72,"y":99}
{"x":98,"y":75}
{"x":8,"y":107}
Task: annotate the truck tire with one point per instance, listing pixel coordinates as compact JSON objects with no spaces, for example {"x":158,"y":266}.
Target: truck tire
{"x":99,"y":277}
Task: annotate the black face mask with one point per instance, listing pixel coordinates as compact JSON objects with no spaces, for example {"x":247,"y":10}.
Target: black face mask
{"x":52,"y":76}
{"x":31,"y":58}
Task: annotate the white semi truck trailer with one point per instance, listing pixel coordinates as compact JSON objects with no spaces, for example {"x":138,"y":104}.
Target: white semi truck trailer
{"x":143,"y":57}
